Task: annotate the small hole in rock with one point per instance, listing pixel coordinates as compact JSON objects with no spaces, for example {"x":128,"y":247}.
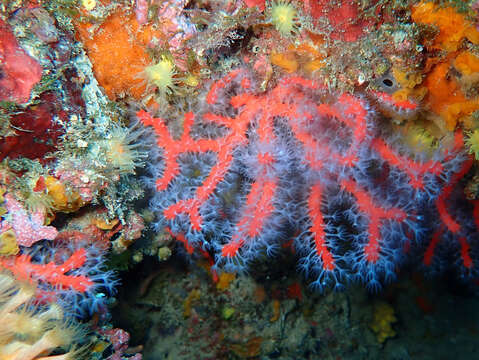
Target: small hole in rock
{"x":388,"y":82}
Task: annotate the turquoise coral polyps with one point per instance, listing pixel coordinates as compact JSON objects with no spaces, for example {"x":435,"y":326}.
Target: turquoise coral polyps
{"x":254,"y":170}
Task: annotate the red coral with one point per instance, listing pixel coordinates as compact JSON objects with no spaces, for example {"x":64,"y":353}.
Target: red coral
{"x":19,"y":71}
{"x":312,"y":160}
{"x":55,"y":274}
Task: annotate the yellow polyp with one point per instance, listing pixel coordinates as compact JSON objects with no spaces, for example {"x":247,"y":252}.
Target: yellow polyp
{"x":227,"y":312}
{"x":224,"y":280}
{"x":383,"y":318}
{"x":8,"y":243}
{"x":89,"y":4}
{"x":401,"y":95}
{"x":406,"y":79}
{"x":160,"y":75}
{"x":472,"y":143}
{"x":286,"y":61}
{"x":191,"y":80}
{"x":32,"y":332}
{"x":164,"y":253}
{"x":283,"y":17}
{"x":100,"y":346}
{"x":419,"y":137}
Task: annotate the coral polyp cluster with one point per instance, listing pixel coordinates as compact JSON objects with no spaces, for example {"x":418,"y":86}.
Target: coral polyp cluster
{"x":472,"y":142}
{"x":284,"y":17}
{"x":337,"y":140}
{"x":161,"y":76}
{"x":29,"y":332}
{"x":300,"y":164}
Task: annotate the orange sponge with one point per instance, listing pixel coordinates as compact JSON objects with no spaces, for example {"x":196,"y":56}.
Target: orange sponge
{"x":118,"y":52}
{"x":445,"y":97}
{"x":453,"y":27}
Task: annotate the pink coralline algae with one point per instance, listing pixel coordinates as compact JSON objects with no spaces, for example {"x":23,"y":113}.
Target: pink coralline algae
{"x":19,"y":71}
{"x":141,"y":11}
{"x":28,"y":227}
{"x":119,"y":339}
{"x":255,"y":171}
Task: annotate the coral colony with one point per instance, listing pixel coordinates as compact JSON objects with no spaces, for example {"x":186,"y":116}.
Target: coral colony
{"x":341,"y":134}
{"x":254,"y":171}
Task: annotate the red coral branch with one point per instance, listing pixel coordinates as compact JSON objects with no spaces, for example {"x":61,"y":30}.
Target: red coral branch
{"x":298,"y":138}
{"x":259,"y":206}
{"x":414,"y":170}
{"x":55,"y":274}
{"x":376,"y":214}
{"x":317,"y":228}
{"x":448,"y":220}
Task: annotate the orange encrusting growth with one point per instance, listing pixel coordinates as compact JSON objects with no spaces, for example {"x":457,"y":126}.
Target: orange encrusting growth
{"x":453,"y":27}
{"x":118,"y":52}
{"x":445,"y":97}
{"x":467,"y":63}
{"x":305,"y":57}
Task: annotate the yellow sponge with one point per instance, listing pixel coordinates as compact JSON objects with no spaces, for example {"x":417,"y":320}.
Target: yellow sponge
{"x":383,"y":318}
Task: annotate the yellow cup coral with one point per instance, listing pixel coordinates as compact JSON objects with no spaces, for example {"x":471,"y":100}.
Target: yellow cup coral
{"x":284,"y":17}
{"x":89,"y":4}
{"x":28,"y":333}
{"x":472,"y":143}
{"x":161,"y":76}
